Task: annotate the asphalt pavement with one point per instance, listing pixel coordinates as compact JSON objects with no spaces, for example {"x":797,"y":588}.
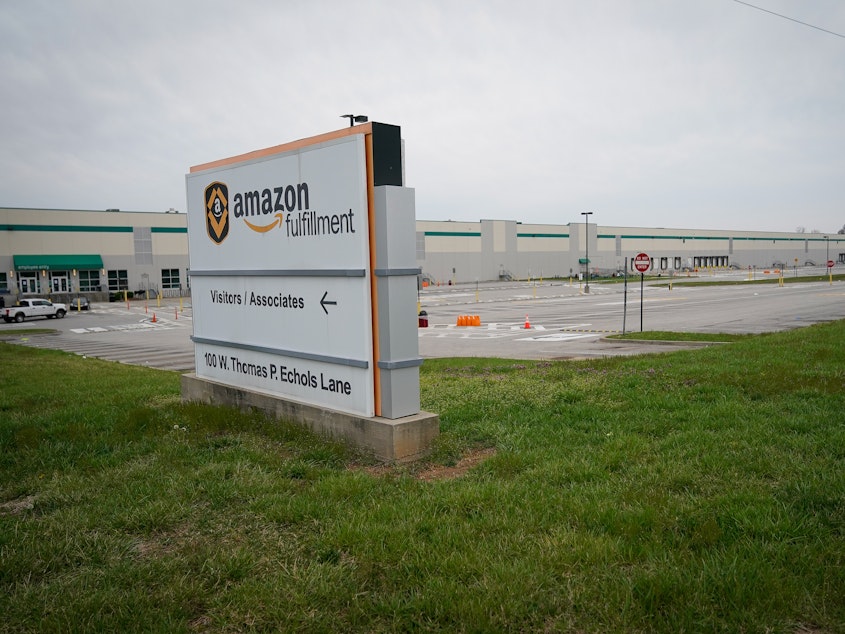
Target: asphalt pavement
{"x":520,"y":320}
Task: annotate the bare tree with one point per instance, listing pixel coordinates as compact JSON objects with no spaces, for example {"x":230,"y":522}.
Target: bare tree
{"x":800,"y":229}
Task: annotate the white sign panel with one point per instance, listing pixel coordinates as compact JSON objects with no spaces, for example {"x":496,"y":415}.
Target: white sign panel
{"x":336,"y":386}
{"x":301,"y":210}
{"x":327,"y":316}
{"x":280,"y":274}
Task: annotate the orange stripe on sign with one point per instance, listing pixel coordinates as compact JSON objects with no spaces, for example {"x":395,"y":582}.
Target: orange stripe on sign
{"x":366,"y":128}
{"x":371,"y":212}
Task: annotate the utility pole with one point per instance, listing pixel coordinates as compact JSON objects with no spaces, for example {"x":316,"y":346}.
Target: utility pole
{"x":587,"y":215}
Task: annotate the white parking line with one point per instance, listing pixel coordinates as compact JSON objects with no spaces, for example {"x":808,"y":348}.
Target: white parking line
{"x":560,"y":336}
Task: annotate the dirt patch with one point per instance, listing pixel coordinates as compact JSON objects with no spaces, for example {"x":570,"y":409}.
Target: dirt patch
{"x":17,"y":506}
{"x":201,"y":624}
{"x":467,"y":462}
{"x":432,"y":473}
{"x":164,"y":544}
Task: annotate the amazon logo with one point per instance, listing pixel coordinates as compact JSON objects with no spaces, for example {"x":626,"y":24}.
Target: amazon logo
{"x":217,"y":211}
{"x":264,"y":210}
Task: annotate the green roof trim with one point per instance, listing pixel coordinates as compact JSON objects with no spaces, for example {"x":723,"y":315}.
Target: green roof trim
{"x":88,"y":229}
{"x":168,"y":230}
{"x":542,"y":235}
{"x":455,"y":234}
{"x":66,"y":228}
{"x":57,"y":262}
{"x":644,"y":237}
{"x":778,"y":239}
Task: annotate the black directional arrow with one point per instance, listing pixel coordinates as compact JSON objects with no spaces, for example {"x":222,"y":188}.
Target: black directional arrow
{"x":325,"y":301}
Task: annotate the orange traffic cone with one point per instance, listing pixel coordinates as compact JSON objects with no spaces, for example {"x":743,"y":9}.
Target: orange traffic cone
{"x":527,"y":324}
{"x":154,"y":318}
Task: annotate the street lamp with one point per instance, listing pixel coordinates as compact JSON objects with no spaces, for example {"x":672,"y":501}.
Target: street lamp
{"x":587,"y":215}
{"x":355,"y":118}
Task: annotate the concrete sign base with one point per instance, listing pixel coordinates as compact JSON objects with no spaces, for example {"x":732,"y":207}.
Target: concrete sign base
{"x":391,"y":440}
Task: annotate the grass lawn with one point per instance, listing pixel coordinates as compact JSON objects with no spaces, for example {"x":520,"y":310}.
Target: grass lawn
{"x":772,"y":278}
{"x":682,"y":492}
{"x":663,"y":335}
{"x":703,"y":278}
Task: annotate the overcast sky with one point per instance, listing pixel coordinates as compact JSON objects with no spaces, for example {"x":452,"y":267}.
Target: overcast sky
{"x":655,"y":113}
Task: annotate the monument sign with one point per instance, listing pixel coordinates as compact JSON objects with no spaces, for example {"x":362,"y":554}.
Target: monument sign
{"x":300,"y":279}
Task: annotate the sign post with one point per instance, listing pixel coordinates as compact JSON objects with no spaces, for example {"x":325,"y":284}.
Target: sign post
{"x":642,"y":263}
{"x":625,"y":298}
{"x":830,"y":271}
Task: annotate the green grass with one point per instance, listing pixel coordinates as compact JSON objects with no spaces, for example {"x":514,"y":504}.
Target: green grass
{"x":692,"y":491}
{"x":24,"y":332}
{"x":663,"y":335}
{"x":772,"y":278}
{"x":704,"y":278}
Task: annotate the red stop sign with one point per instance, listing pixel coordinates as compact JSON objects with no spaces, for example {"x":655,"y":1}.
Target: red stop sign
{"x":829,"y":263}
{"x":642,"y":262}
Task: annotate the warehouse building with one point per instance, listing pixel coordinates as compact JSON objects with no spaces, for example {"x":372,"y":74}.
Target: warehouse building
{"x":63,"y":253}
{"x":503,"y":249}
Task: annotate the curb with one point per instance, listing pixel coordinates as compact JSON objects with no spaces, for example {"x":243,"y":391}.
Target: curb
{"x":662,"y":342}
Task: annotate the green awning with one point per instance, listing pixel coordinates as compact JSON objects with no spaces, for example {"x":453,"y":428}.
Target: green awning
{"x":57,"y":262}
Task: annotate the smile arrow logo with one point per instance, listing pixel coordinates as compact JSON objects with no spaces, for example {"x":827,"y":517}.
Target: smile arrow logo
{"x":265,"y":228}
{"x":325,"y":301}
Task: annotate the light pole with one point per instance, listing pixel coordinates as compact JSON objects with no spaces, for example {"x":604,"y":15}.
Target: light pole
{"x":587,"y":215}
{"x":355,"y":118}
{"x":827,"y":260}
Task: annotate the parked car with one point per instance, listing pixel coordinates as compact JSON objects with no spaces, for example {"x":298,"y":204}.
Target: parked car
{"x":35,"y":307}
{"x":80,"y":302}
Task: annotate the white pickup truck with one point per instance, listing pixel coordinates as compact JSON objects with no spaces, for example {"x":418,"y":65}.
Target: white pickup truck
{"x":29,"y":308}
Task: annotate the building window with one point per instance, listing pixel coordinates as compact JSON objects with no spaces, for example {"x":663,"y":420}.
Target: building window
{"x":4,"y":283}
{"x":170,"y":278}
{"x":28,"y":282}
{"x":118,"y":280}
{"x":89,"y":280}
{"x":59,"y":281}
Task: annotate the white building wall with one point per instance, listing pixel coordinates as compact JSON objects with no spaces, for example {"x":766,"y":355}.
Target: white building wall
{"x":108,"y":234}
{"x":447,"y":251}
